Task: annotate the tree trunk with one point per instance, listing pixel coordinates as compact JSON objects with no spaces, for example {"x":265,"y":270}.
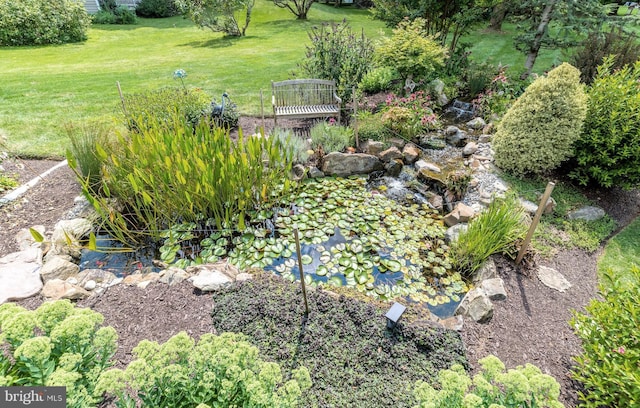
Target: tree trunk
{"x":498,"y":14}
{"x":537,"y":39}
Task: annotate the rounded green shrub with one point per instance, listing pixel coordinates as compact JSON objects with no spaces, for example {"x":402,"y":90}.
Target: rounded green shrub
{"x":608,"y":365}
{"x":538,"y":132}
{"x":39,"y":22}
{"x":157,"y":8}
{"x":608,"y":151}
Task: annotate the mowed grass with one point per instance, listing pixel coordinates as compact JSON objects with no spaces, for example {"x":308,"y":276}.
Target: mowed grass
{"x":620,"y":253}
{"x":46,"y":87}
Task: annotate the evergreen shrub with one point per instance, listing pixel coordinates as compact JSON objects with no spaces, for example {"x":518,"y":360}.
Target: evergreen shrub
{"x":40,"y":22}
{"x":157,"y":8}
{"x":608,"y":151}
{"x":538,"y":132}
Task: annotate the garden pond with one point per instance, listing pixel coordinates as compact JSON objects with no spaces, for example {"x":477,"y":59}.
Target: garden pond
{"x":351,"y":234}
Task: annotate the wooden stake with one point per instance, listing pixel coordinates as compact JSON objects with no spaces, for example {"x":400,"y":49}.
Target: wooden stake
{"x":536,"y":220}
{"x":355,"y":117}
{"x":124,"y":108}
{"x":262,"y":110}
{"x":304,"y":286}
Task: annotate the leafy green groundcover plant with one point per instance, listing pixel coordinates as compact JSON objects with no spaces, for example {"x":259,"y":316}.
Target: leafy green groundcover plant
{"x":609,"y":364}
{"x":217,"y":371}
{"x":354,"y":361}
{"x":55,"y":345}
{"x":332,"y":137}
{"x":495,"y":230}
{"x":522,"y":387}
{"x":538,"y":132}
{"x":608,"y":151}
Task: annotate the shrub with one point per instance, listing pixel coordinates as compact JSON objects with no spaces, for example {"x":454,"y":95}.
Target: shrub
{"x":608,"y":365}
{"x":495,"y":230}
{"x":331,"y":136}
{"x":498,"y":96}
{"x":295,"y":146}
{"x":520,"y":387}
{"x":39,"y":22}
{"x":623,"y":46}
{"x":337,"y":53}
{"x":371,"y":126}
{"x":113,"y":13}
{"x":161,"y":105}
{"x":56,"y":345}
{"x":411,"y":51}
{"x":537,"y":133}
{"x":156,"y":8}
{"x":409,"y":116}
{"x":219,"y":371}
{"x":230,"y":114}
{"x":224,"y":16}
{"x":377,"y":80}
{"x":173,"y":173}
{"x":608,"y":151}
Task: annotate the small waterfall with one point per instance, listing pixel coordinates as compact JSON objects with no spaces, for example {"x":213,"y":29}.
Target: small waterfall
{"x":461,"y":111}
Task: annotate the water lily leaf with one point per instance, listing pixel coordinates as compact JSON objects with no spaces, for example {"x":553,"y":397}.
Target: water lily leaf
{"x":362,"y":278}
{"x":306,"y":259}
{"x":259,"y":244}
{"x":290,"y":263}
{"x":322,"y":270}
{"x":286,"y":253}
{"x":391,"y":264}
{"x":219,"y":251}
{"x":335,"y":281}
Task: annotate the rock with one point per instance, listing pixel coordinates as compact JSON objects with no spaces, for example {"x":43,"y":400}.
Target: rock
{"x":452,"y":233}
{"x":488,"y":270}
{"x":223,"y":267}
{"x":90,"y":285}
{"x":476,"y":305}
{"x":397,"y":142}
{"x":488,"y":129}
{"x":74,"y":229}
{"x":529,"y":207}
{"x":451,"y":130}
{"x":476,"y":123}
{"x":96,"y":275}
{"x":437,"y":91}
{"x":390,"y":154}
{"x":550,"y":207}
{"x":343,"y":165}
{"x":469,"y":149}
{"x":587,"y":213}
{"x":72,"y":280}
{"x":494,"y":288}
{"x":58,"y":289}
{"x":424,"y":165}
{"x":315,"y":172}
{"x":210,"y":280}
{"x":136,"y":278}
{"x":173,"y":275}
{"x":461,"y":213}
{"x":25,"y":240}
{"x":436,"y":201}
{"x":20,"y":275}
{"x":241,"y":277}
{"x":484,"y":138}
{"x":393,"y":168}
{"x":372,"y":147}
{"x":299,"y":172}
{"x":453,"y":323}
{"x":58,"y":268}
{"x":458,"y":139}
{"x":553,"y":279}
{"x":410,"y":153}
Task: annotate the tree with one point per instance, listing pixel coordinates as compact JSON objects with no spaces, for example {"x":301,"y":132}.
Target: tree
{"x":445,"y":20}
{"x":571,"y":20}
{"x":223,"y":16}
{"x":299,"y":8}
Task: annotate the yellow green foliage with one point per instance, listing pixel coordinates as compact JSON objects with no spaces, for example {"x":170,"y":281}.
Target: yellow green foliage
{"x":411,"y":51}
{"x":537,"y":134}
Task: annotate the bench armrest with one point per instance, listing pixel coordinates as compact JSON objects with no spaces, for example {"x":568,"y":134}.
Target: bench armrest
{"x":335,"y":95}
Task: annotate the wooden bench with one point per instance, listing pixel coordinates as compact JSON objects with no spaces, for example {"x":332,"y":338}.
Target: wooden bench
{"x":304,"y":98}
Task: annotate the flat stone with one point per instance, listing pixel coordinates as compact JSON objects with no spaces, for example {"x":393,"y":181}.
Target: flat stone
{"x":20,"y":275}
{"x":58,"y":289}
{"x":58,"y":268}
{"x":74,"y":229}
{"x":587,"y":213}
{"x":222,"y":267}
{"x":210,"y":280}
{"x":424,"y":165}
{"x":140,"y":277}
{"x":96,"y":275}
{"x":25,"y":240}
{"x":494,"y":288}
{"x":173,"y":276}
{"x":553,"y":279}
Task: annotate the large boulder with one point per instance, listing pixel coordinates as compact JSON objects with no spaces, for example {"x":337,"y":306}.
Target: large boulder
{"x":343,"y":165}
{"x":58,"y":267}
{"x":476,"y":305}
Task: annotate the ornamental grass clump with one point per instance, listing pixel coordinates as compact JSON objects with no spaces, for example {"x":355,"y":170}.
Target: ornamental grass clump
{"x":537,"y":133}
{"x":331,"y":136}
{"x":522,"y":387}
{"x":495,"y":230}
{"x":217,"y":371}
{"x":56,"y":345}
{"x":167,"y":174}
{"x":608,"y":365}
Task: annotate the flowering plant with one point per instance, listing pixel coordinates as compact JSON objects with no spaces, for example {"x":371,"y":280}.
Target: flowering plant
{"x":411,"y":115}
{"x":498,"y":96}
{"x":180,"y":74}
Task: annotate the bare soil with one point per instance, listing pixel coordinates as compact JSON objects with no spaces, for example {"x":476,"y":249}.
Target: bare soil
{"x":531,"y":326}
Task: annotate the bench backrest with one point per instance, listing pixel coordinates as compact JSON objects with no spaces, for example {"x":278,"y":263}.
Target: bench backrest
{"x":303,"y":92}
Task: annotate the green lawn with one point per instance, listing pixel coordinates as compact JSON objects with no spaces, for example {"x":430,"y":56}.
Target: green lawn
{"x":44,"y":87}
{"x":621,"y":252}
